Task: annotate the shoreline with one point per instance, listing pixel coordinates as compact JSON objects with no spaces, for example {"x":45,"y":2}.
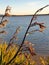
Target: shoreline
{"x":27,"y":15}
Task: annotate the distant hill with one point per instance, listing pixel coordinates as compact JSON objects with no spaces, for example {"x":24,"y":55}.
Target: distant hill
{"x":28,"y":15}
{"x":32,"y":15}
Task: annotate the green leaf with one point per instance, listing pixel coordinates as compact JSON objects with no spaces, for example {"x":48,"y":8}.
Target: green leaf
{"x":1,"y":57}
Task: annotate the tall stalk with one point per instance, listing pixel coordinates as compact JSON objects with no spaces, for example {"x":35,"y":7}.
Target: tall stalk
{"x":26,"y":33}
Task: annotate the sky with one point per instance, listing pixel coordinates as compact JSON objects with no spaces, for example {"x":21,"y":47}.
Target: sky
{"x":24,"y":7}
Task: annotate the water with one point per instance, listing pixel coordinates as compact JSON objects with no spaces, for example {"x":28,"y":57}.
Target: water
{"x":41,"y":40}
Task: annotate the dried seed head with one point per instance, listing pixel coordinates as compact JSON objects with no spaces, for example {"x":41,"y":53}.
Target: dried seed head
{"x":42,"y":27}
{"x":3,"y":23}
{"x":3,"y":32}
{"x":7,"y":11}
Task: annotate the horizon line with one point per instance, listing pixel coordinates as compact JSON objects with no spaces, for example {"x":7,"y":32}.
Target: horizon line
{"x":25,"y":14}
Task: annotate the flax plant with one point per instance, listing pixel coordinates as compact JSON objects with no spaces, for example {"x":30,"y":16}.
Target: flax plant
{"x":42,"y":27}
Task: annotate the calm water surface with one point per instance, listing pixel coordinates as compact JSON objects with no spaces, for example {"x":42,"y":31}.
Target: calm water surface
{"x":41,"y":40}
